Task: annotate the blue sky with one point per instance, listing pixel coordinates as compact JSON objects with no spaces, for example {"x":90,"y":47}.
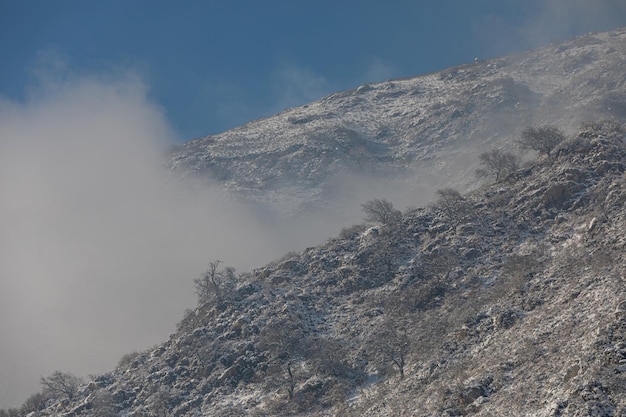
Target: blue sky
{"x":213,"y":65}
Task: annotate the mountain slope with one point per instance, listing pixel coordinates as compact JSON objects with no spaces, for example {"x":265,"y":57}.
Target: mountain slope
{"x":507,"y":301}
{"x":426,"y":131}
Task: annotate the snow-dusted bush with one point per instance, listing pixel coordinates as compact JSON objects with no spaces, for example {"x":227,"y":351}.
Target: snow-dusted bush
{"x":34,"y":403}
{"x":380,"y":211}
{"x":541,"y":139}
{"x":61,"y":385}
{"x":452,"y":206}
{"x":497,"y":164}
{"x":215,"y":285}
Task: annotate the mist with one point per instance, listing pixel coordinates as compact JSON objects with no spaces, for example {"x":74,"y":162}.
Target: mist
{"x":99,"y":245}
{"x":548,"y":21}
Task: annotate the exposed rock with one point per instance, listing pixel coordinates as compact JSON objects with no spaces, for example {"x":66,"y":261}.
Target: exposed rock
{"x":471,"y":253}
{"x":556,"y":195}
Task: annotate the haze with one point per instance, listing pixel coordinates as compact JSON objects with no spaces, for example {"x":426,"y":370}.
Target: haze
{"x":99,"y":247}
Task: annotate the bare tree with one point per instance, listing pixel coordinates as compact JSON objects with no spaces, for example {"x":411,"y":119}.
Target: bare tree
{"x":11,"y":412}
{"x":541,"y":139}
{"x":34,"y":403}
{"x":214,"y":285}
{"x":329,"y":356}
{"x":453,"y":206}
{"x":61,"y":385}
{"x":284,"y":340}
{"x":380,"y":211}
{"x":390,"y":344}
{"x":438,"y":265}
{"x":497,"y":164}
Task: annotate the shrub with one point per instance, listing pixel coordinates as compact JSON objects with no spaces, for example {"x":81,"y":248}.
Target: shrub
{"x":329,"y":357}
{"x":603,"y":126}
{"x":61,"y":385}
{"x":127,"y":359}
{"x":390,"y":344}
{"x":453,"y":206}
{"x":215,"y":285}
{"x":380,"y":211}
{"x":437,"y":265}
{"x":351,"y":232}
{"x":497,"y":164}
{"x":34,"y":403}
{"x":541,"y":139}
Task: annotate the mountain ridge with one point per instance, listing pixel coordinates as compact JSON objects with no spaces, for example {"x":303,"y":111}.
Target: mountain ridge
{"x":398,"y":128}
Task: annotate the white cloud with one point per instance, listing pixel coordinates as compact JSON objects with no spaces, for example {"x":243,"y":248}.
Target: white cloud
{"x":99,"y":247}
{"x":296,"y":86}
{"x":379,"y":71}
{"x":229,"y":101}
{"x":557,"y":19}
{"x":549,"y":21}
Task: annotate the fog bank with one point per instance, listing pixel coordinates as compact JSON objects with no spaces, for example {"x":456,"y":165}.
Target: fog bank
{"x":99,"y":246}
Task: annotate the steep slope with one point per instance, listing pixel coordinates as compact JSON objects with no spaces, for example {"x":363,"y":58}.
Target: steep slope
{"x":425,"y":131}
{"x":507,"y":301}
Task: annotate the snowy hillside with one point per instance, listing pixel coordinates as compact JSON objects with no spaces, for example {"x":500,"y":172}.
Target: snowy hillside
{"x":500,"y":298}
{"x":424,"y":131}
{"x":506,"y":301}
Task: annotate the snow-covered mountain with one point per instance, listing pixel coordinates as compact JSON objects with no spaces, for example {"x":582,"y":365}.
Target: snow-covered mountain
{"x":505,"y":300}
{"x":423,"y":132}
